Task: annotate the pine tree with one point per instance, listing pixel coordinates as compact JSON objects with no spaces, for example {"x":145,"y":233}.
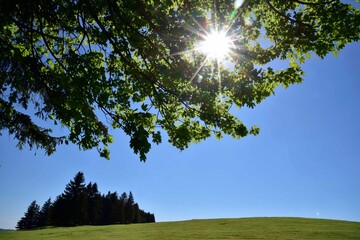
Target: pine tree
{"x":75,"y":188}
{"x":137,"y":214}
{"x":122,"y":201}
{"x":76,"y":201}
{"x":60,"y":212}
{"x":82,"y":204}
{"x":45,"y":214}
{"x":31,"y":218}
{"x":94,"y":204}
{"x":129,"y":210}
{"x":112,"y":208}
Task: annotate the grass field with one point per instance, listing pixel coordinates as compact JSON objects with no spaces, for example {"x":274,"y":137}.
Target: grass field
{"x":242,"y":228}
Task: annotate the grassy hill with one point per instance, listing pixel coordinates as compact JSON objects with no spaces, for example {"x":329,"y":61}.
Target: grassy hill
{"x":243,"y":228}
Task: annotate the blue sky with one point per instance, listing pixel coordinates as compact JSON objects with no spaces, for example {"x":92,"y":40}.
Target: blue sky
{"x":304,"y":163}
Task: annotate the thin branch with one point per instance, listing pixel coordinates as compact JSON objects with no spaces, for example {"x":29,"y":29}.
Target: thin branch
{"x":313,"y":3}
{"x":285,"y":16}
{"x":19,"y":24}
{"x":117,"y":10}
{"x":49,"y":48}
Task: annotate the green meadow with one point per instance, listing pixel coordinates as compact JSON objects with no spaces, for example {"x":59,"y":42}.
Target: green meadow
{"x":242,"y":228}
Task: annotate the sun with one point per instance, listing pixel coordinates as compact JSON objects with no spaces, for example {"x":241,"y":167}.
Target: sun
{"x":216,"y":45}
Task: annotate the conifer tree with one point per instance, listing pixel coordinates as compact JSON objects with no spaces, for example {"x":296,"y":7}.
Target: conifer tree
{"x":112,"y":208}
{"x":45,"y":214}
{"x":137,"y":214}
{"x":60,"y":212}
{"x":123,"y":198}
{"x":94,"y":204}
{"x":82,"y":204}
{"x":75,"y":200}
{"x":31,"y":218}
{"x":129,"y":210}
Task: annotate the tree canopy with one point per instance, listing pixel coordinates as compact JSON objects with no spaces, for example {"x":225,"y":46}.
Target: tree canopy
{"x":90,"y":65}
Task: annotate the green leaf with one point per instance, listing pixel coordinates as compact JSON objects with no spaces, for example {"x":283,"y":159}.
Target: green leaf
{"x":137,"y":67}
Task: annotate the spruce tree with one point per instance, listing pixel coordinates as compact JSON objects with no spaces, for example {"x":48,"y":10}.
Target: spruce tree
{"x":60,"y":212}
{"x":45,"y":214}
{"x":94,"y":204}
{"x":76,"y":200}
{"x":112,"y":208}
{"x":129,"y":210}
{"x":31,"y":218}
{"x":137,"y":214}
{"x":122,"y":201}
{"x":82,"y":204}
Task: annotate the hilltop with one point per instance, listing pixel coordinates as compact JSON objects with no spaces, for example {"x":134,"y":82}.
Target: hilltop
{"x":241,"y":228}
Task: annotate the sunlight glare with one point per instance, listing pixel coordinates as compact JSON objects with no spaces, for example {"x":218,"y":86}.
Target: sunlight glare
{"x":216,"y":45}
{"x":238,"y":3}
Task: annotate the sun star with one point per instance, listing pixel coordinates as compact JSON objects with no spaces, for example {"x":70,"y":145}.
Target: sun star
{"x":216,"y":45}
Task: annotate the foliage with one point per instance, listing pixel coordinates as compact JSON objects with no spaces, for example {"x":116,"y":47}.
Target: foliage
{"x":31,"y":218}
{"x":94,"y":203}
{"x":88,"y":65}
{"x":84,"y":205}
{"x":246,"y":228}
{"x":74,"y":200}
{"x":45,"y":214}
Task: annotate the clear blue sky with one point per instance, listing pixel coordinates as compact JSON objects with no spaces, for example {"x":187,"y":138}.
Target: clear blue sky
{"x":304,"y":163}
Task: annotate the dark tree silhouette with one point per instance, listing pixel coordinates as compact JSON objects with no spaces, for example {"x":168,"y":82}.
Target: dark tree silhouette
{"x":31,"y":218}
{"x":122,"y":200}
{"x":45,"y":214}
{"x":60,"y":212}
{"x":76,"y":200}
{"x":94,"y":203}
{"x":137,"y":214}
{"x":129,"y":209}
{"x":82,"y":204}
{"x":112,"y":208}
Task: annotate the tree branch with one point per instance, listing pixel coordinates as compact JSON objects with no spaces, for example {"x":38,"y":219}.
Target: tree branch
{"x":19,"y":24}
{"x":313,"y":3}
{"x":285,"y":16}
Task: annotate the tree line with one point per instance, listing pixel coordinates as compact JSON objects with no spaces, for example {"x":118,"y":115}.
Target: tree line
{"x":82,"y":204}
